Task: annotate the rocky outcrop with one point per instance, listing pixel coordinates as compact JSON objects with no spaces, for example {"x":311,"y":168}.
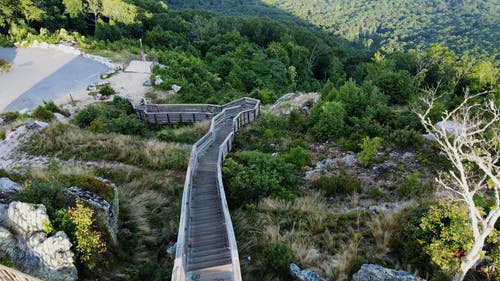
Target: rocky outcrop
{"x":105,"y":212}
{"x":374,"y":272}
{"x":305,"y":274}
{"x":7,"y":189}
{"x":300,"y":101}
{"x":25,"y":242}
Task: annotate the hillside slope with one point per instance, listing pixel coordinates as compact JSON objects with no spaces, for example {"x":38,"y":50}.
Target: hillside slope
{"x":464,"y":26}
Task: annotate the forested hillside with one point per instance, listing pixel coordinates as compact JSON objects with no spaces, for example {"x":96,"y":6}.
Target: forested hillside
{"x":464,"y":26}
{"x":375,"y":202}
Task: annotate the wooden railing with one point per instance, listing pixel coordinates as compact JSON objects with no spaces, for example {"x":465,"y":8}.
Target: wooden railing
{"x":163,"y":114}
{"x":228,"y":111}
{"x":11,"y":274}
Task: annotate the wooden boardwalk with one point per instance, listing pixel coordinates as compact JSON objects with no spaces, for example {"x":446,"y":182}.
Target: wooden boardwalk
{"x":206,"y":245}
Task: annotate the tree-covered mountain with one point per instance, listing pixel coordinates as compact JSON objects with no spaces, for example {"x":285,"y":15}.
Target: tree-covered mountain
{"x":464,"y":26}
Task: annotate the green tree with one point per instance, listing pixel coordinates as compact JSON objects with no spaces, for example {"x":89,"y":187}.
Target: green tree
{"x":368,"y":151}
{"x":330,"y":122}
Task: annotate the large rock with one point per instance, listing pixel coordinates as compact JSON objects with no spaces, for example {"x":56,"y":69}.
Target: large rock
{"x":301,"y":101}
{"x":305,"y":274}
{"x":7,"y":189}
{"x":374,"y":272}
{"x":25,"y":242}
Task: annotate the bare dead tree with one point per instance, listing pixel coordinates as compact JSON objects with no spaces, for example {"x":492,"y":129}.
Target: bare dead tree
{"x":472,"y":146}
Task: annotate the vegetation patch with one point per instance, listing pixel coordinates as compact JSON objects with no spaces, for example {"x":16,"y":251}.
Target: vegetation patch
{"x":4,"y":66}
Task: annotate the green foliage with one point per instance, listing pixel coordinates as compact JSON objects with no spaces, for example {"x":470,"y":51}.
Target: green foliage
{"x":330,"y":121}
{"x":278,"y":256}
{"x":88,"y":183}
{"x":42,"y":113}
{"x":437,"y":237}
{"x":10,"y":116}
{"x":52,"y":107}
{"x":51,"y":194}
{"x":406,"y":138}
{"x":413,"y":186}
{"x":368,"y":151}
{"x":110,"y":117}
{"x":106,"y":90}
{"x":334,"y":185}
{"x":88,"y":241}
{"x":251,"y":175}
{"x":298,"y":157}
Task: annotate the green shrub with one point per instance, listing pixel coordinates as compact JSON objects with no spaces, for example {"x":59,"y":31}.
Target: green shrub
{"x":278,"y":257}
{"x":298,"y":157}
{"x":330,"y":121}
{"x":85,"y":116}
{"x":106,"y":90}
{"x":51,"y":194}
{"x":10,"y":116}
{"x":413,"y":186}
{"x":88,"y":183}
{"x":41,"y":113}
{"x":2,"y":133}
{"x":368,"y":151}
{"x":334,"y":185}
{"x":406,"y":138}
{"x":376,"y":192}
{"x":128,"y":125}
{"x":251,"y":175}
{"x":52,"y":107}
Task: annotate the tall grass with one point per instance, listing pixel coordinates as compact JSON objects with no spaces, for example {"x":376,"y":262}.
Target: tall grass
{"x":66,"y":141}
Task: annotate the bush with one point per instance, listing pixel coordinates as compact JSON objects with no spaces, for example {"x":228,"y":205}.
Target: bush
{"x":10,"y":116}
{"x":88,"y":241}
{"x":88,"y":183}
{"x":413,"y":186}
{"x":2,"y":133}
{"x":251,"y":175}
{"x":41,"y":113}
{"x":298,"y":157}
{"x":106,"y":90}
{"x":368,"y":151}
{"x":52,"y":107}
{"x":278,"y":257}
{"x":330,"y":121}
{"x":85,"y":116}
{"x":338,"y":185}
{"x":51,"y":194}
{"x":406,"y":138}
{"x":128,"y":125}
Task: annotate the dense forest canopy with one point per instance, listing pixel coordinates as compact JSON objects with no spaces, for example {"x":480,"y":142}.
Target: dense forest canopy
{"x":464,"y":26}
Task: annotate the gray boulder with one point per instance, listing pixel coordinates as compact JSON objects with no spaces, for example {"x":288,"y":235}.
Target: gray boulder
{"x":7,"y":189}
{"x":305,"y":274}
{"x":25,"y":242}
{"x":375,"y":272}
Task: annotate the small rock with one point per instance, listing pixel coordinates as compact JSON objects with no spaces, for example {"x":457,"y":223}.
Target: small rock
{"x":26,"y":219}
{"x":59,"y":116}
{"x":36,"y":125}
{"x":158,"y":80}
{"x":452,"y":128}
{"x":374,"y":272}
{"x":171,"y":250}
{"x":24,"y":111}
{"x":7,"y":189}
{"x":350,"y":160}
{"x":176,"y":88}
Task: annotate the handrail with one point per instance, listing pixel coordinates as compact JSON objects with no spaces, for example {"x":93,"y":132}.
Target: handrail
{"x":15,"y":274}
{"x":179,"y":271}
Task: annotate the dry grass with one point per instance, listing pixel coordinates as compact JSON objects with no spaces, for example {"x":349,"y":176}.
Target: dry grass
{"x":381,"y":227}
{"x":68,"y":142}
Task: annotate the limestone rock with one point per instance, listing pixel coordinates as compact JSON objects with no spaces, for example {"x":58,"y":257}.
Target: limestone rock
{"x":25,"y":219}
{"x":7,"y":189}
{"x":25,"y":242}
{"x":36,"y":125}
{"x":374,"y":272}
{"x":301,"y":101}
{"x":452,"y":128}
{"x":305,"y":274}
